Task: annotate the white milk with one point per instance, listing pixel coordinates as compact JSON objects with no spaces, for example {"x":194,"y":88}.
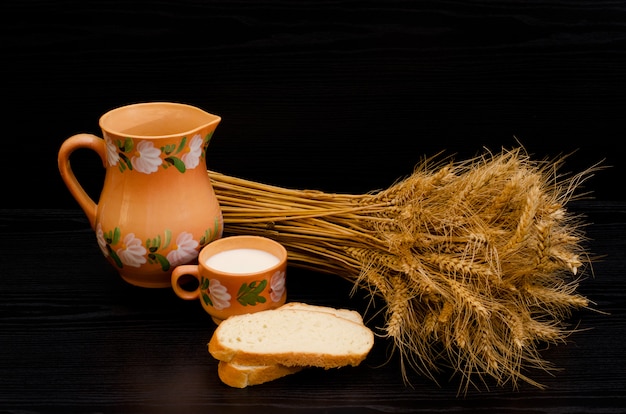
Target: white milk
{"x":242,"y":261}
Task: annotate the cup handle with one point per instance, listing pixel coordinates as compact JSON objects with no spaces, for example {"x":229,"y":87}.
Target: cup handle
{"x":180,"y":271}
{"x":70,"y":145}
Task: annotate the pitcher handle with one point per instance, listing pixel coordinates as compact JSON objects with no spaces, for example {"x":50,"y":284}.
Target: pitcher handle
{"x":70,"y":145}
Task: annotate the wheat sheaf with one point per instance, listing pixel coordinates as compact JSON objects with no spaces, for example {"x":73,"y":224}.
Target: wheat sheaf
{"x":477,"y":262}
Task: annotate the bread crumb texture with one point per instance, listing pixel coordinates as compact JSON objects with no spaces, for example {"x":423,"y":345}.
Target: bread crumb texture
{"x":292,"y":336}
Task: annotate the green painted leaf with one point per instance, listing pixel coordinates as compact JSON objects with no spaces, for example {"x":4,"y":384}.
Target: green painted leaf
{"x":128,"y":145}
{"x":115,"y":257}
{"x":117,"y":235}
{"x":126,"y":163}
{"x":250,"y":294}
{"x":154,"y":244}
{"x":210,"y":235}
{"x":167,"y":149}
{"x":176,"y":162}
{"x":204,"y":285}
{"x":168,"y":238}
{"x":165,"y":264}
{"x":258,"y":288}
{"x":243,"y":289}
{"x":182,"y":145}
{"x":207,"y":299}
{"x":157,"y":241}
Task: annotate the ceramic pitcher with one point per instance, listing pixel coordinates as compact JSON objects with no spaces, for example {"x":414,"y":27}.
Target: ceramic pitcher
{"x":157,"y":207}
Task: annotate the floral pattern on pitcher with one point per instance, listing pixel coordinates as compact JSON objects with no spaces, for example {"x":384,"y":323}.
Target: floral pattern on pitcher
{"x":142,"y":156}
{"x":133,"y":252}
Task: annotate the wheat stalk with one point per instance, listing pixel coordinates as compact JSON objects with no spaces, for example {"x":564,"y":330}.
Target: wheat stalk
{"x":476,"y":261}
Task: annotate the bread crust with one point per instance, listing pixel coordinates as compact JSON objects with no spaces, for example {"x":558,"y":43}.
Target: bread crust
{"x":342,"y":313}
{"x":289,"y":359}
{"x":241,"y":376}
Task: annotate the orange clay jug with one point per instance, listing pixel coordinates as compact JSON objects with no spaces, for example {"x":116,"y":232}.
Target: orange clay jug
{"x":157,"y":207}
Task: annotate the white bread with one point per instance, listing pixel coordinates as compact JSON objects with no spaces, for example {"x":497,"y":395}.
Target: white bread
{"x":241,"y":376}
{"x":297,"y":335}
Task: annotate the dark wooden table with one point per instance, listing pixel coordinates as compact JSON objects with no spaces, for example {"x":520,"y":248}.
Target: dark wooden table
{"x":76,"y":338}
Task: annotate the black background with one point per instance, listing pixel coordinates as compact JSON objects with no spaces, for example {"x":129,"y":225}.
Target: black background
{"x":335,"y":95}
{"x":340,"y":96}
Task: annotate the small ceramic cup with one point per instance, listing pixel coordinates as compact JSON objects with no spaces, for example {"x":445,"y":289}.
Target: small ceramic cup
{"x":235,"y":275}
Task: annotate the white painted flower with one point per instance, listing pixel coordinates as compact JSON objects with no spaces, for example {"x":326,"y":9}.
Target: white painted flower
{"x":101,"y":242}
{"x":219,"y":295}
{"x":112,"y":155}
{"x":147,"y":159}
{"x":132,"y":252}
{"x":184,"y":250}
{"x":277,"y":286}
{"x":192,"y":158}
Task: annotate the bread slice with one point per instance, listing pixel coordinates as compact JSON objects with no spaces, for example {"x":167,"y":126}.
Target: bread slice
{"x":241,"y":376}
{"x":292,"y":336}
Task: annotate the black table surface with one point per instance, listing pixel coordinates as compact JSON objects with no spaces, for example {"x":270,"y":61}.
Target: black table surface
{"x":76,"y":338}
